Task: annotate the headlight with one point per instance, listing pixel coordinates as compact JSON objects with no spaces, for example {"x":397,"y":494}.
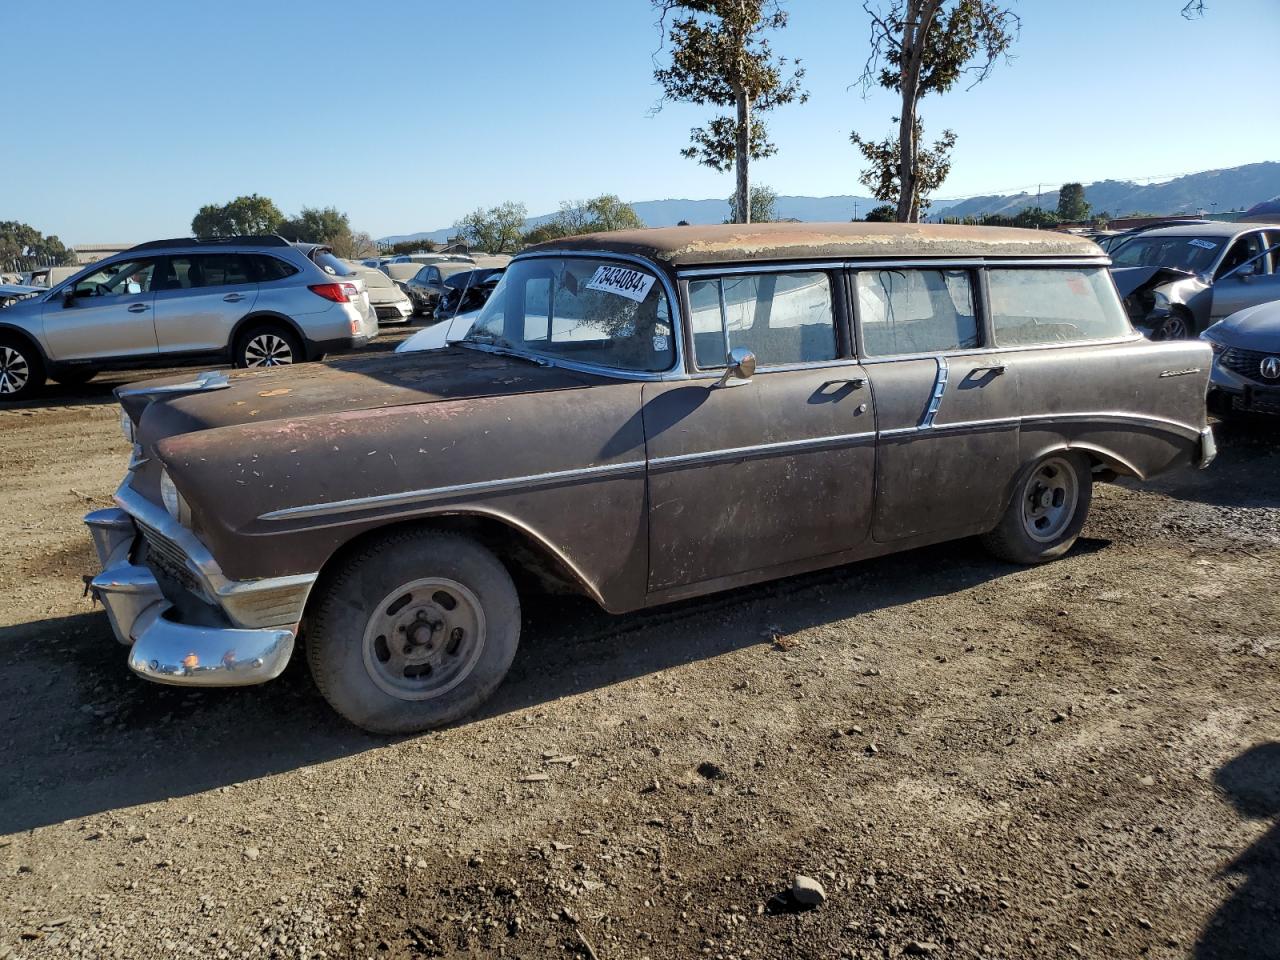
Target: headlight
{"x":1214,"y":345}
{"x":172,"y":499}
{"x":126,"y":427}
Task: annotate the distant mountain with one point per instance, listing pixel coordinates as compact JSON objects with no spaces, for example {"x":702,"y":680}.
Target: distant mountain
{"x":1235,"y":188}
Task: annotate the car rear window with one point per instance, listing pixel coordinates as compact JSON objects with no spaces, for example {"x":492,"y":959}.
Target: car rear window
{"x":272,"y":268}
{"x":335,"y":267}
{"x":1030,"y":306}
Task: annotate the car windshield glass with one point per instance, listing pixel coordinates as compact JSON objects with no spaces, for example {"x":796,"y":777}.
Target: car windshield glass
{"x":583,"y":309}
{"x":1192,"y":254}
{"x":326,"y":261}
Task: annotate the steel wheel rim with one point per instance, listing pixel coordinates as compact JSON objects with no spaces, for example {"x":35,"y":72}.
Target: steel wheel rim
{"x":15,"y":371}
{"x":424,"y":639}
{"x":268,"y":350}
{"x":1049,"y":500}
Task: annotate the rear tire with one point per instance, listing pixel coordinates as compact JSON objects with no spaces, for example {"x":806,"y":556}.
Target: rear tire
{"x":21,"y":369}
{"x":413,"y":631}
{"x":267,"y":345}
{"x":1048,"y":510}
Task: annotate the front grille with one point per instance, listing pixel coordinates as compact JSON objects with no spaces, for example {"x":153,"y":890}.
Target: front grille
{"x":1247,"y":363}
{"x":168,"y":556}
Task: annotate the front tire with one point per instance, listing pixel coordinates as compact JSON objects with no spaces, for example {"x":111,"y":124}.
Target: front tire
{"x":268,"y":345}
{"x":1176,"y":326}
{"x":1047,"y":512}
{"x":21,"y":369}
{"x":413,"y":631}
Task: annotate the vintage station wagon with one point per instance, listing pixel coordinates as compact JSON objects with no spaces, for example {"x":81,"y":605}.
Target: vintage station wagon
{"x":640,"y":417}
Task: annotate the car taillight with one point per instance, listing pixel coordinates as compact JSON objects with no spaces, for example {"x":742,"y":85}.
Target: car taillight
{"x":337,"y":292}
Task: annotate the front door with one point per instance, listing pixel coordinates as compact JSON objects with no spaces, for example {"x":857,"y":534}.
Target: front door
{"x":1252,"y":282}
{"x":945,"y":414}
{"x":747,"y":476}
{"x":199,"y":299}
{"x":109,"y":314}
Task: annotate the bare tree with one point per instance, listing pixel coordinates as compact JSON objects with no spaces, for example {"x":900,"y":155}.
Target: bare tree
{"x":920,"y":47}
{"x":721,"y":56}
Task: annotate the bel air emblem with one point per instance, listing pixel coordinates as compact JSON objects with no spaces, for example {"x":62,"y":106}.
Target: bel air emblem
{"x":1270,"y":368}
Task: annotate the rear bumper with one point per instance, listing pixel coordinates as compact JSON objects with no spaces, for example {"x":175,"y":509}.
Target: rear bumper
{"x":163,"y":649}
{"x":1208,"y":448}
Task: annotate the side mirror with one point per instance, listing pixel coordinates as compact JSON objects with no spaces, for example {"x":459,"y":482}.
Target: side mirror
{"x":740,"y":366}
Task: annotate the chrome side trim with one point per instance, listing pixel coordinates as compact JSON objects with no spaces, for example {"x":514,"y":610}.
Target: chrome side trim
{"x":935,"y":398}
{"x":1104,"y":417}
{"x":436,"y":493}
{"x":208,"y":380}
{"x":763,"y":449}
{"x":269,"y":602}
{"x":844,"y":263}
{"x":962,"y":352}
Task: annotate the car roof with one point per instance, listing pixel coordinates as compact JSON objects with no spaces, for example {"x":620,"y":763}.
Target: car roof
{"x":1210,"y":229}
{"x":732,"y":242}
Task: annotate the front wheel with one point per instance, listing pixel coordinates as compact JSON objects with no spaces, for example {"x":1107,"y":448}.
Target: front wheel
{"x":271,"y":345}
{"x":413,"y":631}
{"x":1047,"y":512}
{"x":1176,"y":326}
{"x":21,"y":370}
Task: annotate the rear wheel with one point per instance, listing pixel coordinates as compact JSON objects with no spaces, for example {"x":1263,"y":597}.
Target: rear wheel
{"x":21,"y":369}
{"x":1047,"y":513}
{"x":269,"y":345}
{"x":415,"y":630}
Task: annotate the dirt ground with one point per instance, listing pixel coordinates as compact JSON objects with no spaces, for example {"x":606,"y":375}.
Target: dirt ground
{"x":974,"y":760}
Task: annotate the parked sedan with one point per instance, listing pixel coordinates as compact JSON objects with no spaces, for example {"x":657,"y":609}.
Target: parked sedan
{"x":640,"y":417}
{"x":1177,"y":280}
{"x":388,"y":300}
{"x":1246,"y":361}
{"x":426,"y":287}
{"x":467,"y":291}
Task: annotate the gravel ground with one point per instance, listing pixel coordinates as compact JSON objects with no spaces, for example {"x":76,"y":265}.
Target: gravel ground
{"x":970,"y":759}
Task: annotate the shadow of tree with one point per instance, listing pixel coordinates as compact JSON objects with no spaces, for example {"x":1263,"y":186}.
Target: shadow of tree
{"x":1247,"y":926}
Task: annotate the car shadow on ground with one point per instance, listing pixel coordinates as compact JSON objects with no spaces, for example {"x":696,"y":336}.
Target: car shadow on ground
{"x":1247,"y":447}
{"x":83,"y":735}
{"x":1248,"y":923}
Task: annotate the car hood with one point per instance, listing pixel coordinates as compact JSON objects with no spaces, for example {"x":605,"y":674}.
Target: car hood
{"x":1129,"y":279}
{"x":1253,"y":328}
{"x":342,"y":387}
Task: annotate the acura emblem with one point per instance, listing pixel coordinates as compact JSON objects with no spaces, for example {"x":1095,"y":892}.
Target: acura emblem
{"x":1270,"y":368}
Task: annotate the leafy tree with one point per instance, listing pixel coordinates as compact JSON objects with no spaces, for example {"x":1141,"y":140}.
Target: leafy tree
{"x":551,"y":230}
{"x":721,"y":56}
{"x":762,"y":203}
{"x":496,"y":230}
{"x":250,"y":215}
{"x":1072,"y":206}
{"x":885,"y":213}
{"x":412,"y":246}
{"x":920,"y":47}
{"x":23,"y":246}
{"x":318,"y":225}
{"x":609,"y":213}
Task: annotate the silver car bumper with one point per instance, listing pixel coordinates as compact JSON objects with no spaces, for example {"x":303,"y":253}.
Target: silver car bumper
{"x":161,"y":648}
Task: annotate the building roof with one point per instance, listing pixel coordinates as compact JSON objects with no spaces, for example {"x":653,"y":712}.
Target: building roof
{"x":730,"y":242}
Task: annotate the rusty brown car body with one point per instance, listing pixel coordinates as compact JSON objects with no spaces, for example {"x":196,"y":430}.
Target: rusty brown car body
{"x":640,"y":416}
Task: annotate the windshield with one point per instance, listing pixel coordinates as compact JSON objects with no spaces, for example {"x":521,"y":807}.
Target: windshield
{"x":1192,"y":254}
{"x":584,"y":309}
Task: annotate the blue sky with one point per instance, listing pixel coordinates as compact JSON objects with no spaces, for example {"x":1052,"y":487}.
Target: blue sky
{"x":408,"y":114}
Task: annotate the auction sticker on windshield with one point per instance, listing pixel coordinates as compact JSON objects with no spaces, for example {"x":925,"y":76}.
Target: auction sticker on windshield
{"x":625,"y":282}
{"x":1203,"y":244}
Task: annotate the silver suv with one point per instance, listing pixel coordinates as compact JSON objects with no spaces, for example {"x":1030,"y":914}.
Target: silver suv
{"x":255,"y":301}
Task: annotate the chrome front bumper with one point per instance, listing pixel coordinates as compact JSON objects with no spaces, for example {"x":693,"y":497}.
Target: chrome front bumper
{"x":162,"y":649}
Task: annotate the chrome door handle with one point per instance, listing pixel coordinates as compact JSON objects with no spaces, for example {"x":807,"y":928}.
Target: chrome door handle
{"x":995,"y":370}
{"x":138,"y":308}
{"x":233,"y":297}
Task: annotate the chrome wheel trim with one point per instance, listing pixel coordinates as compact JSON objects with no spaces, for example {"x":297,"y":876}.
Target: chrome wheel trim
{"x":424,"y":639}
{"x":15,"y":371}
{"x":267,"y":350}
{"x":1049,"y":500}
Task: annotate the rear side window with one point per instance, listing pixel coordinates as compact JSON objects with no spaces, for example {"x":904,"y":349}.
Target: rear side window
{"x":326,"y":261}
{"x":1054,"y":306}
{"x":782,"y":318}
{"x":916,"y":311}
{"x":271,"y":268}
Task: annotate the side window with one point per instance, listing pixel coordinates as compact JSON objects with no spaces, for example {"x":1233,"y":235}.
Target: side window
{"x":782,"y":318}
{"x":213,"y":270}
{"x":916,"y":311}
{"x":422,"y":276}
{"x":271,"y":268}
{"x":1054,"y":306}
{"x":120,"y":279}
{"x":433,"y":276}
{"x":1244,"y":249}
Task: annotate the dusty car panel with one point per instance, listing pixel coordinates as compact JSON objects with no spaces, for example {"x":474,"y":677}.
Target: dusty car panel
{"x":638,"y":416}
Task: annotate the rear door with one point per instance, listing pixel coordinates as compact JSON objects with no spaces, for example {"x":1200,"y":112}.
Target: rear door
{"x":748,"y":476}
{"x":199,"y":299}
{"x":946,"y":410}
{"x":108,"y":315}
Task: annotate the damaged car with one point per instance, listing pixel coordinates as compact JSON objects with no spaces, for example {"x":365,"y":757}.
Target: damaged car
{"x":637,"y":417}
{"x":1246,"y":361}
{"x":1175,"y":281}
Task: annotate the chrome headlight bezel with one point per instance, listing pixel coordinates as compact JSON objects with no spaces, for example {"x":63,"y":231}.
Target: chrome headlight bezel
{"x":174,"y":503}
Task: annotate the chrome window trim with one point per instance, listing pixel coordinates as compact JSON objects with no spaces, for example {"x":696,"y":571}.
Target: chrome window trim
{"x":839,"y":263}
{"x":427,"y":494}
{"x":676,"y":371}
{"x":988,"y":351}
{"x":781,"y":446}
